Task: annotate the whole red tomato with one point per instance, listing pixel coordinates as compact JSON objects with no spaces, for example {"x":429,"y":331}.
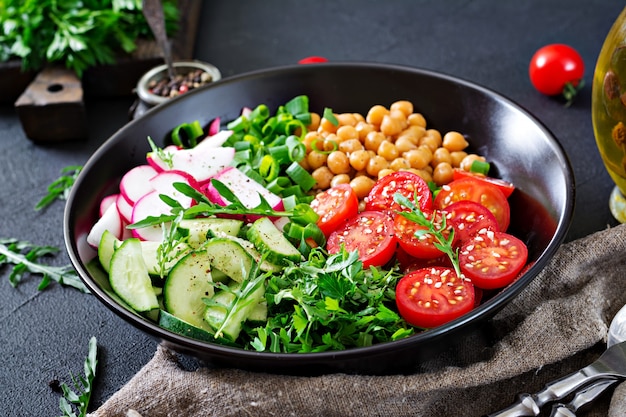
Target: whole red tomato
{"x":557,"y":69}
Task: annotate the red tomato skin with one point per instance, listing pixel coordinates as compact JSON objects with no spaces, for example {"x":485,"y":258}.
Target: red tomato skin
{"x":506,"y":187}
{"x":422,"y":248}
{"x":370,"y":233}
{"x":404,"y":182}
{"x":335,"y":206}
{"x":481,"y":192}
{"x":432,"y":296}
{"x":492,"y":259}
{"x":312,"y":60}
{"x":468,"y":218}
{"x":553,"y":66}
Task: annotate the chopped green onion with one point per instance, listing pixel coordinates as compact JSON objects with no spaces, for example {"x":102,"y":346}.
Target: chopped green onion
{"x":278,"y":185}
{"x":297,"y":149}
{"x":330,"y":116}
{"x":300,"y":176}
{"x":240,"y":124}
{"x":298,"y":105}
{"x":280,"y":153}
{"x":260,"y":113}
{"x":192,"y":132}
{"x":310,"y":231}
{"x":270,"y":126}
{"x":480,"y":167}
{"x":269,"y":168}
{"x":324,"y":142}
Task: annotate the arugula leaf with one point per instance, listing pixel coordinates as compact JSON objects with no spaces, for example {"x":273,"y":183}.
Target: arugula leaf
{"x":60,"y":188}
{"x":79,"y":394}
{"x":24,"y":256}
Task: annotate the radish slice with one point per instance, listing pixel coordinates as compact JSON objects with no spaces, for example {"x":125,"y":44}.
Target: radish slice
{"x":202,"y":163}
{"x":215,"y":141}
{"x":164,"y":181}
{"x":246,"y":189}
{"x":149,"y":205}
{"x":214,"y":126}
{"x":106,"y":202}
{"x":136,"y":182}
{"x":110,"y":221}
{"x":124,"y":208}
{"x":155,"y":161}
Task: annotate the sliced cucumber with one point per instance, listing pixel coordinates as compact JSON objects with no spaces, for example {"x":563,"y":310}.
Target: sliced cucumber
{"x":106,"y":248}
{"x":199,"y":228}
{"x":187,"y":283}
{"x":243,"y":309}
{"x":179,"y":326}
{"x":271,"y":242}
{"x":229,"y":257}
{"x":150,"y":251}
{"x":129,"y":277}
{"x":264,"y":265}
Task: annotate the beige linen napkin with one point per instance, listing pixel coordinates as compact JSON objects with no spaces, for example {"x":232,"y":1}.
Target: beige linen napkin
{"x":557,"y":325}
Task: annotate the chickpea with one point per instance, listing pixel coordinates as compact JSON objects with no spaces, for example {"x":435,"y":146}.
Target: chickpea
{"x":309,"y":139}
{"x":418,"y":132}
{"x":373,"y":140}
{"x":358,"y":117}
{"x":384,"y":172}
{"x":340,"y":179}
{"x":439,"y":156}
{"x":426,"y":175}
{"x":362,"y":185}
{"x":454,"y":141}
{"x":434,"y":133}
{"x":404,"y":106}
{"x":457,"y":157}
{"x":376,"y":164}
{"x":375,"y":114}
{"x":388,"y":150}
{"x":347,"y":132}
{"x":466,"y":163}
{"x":419,"y":158}
{"x":331,"y":142}
{"x":416,"y":119}
{"x":405,"y":143}
{"x":391,"y":126}
{"x":363,"y":128}
{"x":399,"y":164}
{"x":322,"y":177}
{"x":327,"y":126}
{"x":305,"y":164}
{"x":315,"y":121}
{"x":359,"y":159}
{"x":430,"y":141}
{"x":338,"y":162}
{"x":442,"y":174}
{"x":316,"y":159}
{"x":346,"y":119}
{"x":351,"y":145}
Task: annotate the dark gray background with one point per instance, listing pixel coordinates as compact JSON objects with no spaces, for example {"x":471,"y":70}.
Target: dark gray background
{"x":44,"y":335}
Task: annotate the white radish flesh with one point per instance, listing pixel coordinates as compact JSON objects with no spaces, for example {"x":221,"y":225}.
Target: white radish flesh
{"x":136,"y":183}
{"x":110,"y":221}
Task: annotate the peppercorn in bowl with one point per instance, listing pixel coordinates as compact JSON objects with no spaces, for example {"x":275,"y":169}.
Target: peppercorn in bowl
{"x":320,"y":100}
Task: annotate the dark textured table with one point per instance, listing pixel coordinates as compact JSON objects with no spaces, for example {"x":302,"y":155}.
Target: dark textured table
{"x":44,"y":334}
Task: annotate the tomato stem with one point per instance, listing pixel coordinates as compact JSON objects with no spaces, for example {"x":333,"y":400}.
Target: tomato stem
{"x":570,"y":91}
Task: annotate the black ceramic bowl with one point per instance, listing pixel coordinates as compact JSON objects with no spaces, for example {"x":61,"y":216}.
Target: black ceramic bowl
{"x":519,"y":147}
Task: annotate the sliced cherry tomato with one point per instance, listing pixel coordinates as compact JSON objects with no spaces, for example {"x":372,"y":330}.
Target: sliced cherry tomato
{"x":556,"y":69}
{"x":370,"y":233}
{"x":468,"y":218}
{"x":404,"y":182}
{"x":335,"y":206}
{"x":506,"y":187}
{"x":492,"y":259}
{"x":430,"y":297}
{"x":419,"y":247}
{"x":479,"y":191}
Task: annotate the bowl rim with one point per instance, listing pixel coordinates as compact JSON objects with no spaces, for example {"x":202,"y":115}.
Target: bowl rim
{"x":488,"y":308}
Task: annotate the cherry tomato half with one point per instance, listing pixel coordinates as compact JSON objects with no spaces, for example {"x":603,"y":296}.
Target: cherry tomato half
{"x":506,"y":187}
{"x":335,"y":206}
{"x":468,"y":218}
{"x":370,"y":233}
{"x":404,"y":182}
{"x":492,"y":259}
{"x":553,"y":67}
{"x":480,"y":192}
{"x":430,"y":297}
{"x":422,"y":247}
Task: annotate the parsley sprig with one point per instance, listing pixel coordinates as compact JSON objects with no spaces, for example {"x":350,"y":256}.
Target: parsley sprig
{"x":24,"y":256}
{"x":60,"y":188}
{"x":78,"y":394}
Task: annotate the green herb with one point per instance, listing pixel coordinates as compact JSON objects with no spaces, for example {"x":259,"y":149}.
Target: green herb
{"x":79,"y":394}
{"x":330,"y":303}
{"x":77,"y":33}
{"x":164,"y":156}
{"x":174,"y":239}
{"x":416,"y":215}
{"x":330,"y":116}
{"x":24,"y":256}
{"x":60,"y":188}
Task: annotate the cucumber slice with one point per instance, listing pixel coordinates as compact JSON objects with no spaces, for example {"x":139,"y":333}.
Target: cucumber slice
{"x":106,"y":248}
{"x":199,"y":228}
{"x":178,"y":326}
{"x":271,"y":242}
{"x":229,"y":257}
{"x":264,"y":264}
{"x":150,"y":248}
{"x":187,"y":283}
{"x":244,"y":309}
{"x":129,"y":277}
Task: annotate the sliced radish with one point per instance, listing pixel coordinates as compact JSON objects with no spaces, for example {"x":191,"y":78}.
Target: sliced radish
{"x":216,"y":140}
{"x":136,"y":182}
{"x":164,"y":181}
{"x":106,"y":202}
{"x":110,"y":221}
{"x":246,"y":189}
{"x":149,"y":205}
{"x":214,"y":126}
{"x":124,"y":208}
{"x":202,"y":163}
{"x":155,"y":161}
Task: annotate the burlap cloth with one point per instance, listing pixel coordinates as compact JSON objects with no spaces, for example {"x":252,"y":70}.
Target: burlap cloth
{"x":557,"y":325}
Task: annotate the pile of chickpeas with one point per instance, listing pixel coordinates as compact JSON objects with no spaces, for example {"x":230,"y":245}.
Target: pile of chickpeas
{"x":361,"y":149}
